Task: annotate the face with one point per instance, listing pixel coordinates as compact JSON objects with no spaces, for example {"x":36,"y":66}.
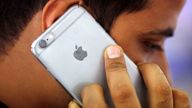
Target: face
{"x":141,"y":35}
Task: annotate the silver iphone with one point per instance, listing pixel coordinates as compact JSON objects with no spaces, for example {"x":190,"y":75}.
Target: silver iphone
{"x":72,"y":51}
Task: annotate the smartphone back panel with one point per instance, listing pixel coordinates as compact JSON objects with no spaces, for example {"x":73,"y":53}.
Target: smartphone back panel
{"x":72,"y":51}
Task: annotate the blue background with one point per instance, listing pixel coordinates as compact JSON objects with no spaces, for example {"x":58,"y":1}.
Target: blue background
{"x":179,"y":51}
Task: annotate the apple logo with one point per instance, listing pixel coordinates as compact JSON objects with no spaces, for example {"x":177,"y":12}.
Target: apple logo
{"x":80,"y":54}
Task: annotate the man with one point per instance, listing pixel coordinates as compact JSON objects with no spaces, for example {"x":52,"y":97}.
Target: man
{"x":140,"y":27}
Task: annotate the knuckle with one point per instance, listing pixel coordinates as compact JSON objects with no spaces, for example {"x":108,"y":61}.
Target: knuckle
{"x":122,"y":93}
{"x":164,"y":103}
{"x":164,"y":90}
{"x":116,"y":66}
{"x":165,"y":95}
{"x":86,"y":90}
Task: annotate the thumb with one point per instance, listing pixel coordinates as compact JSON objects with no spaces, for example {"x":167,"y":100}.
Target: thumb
{"x":73,"y":104}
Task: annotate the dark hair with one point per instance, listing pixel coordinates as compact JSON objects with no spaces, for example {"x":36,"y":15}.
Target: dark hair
{"x":15,"y":14}
{"x":2,"y":105}
{"x":106,"y":11}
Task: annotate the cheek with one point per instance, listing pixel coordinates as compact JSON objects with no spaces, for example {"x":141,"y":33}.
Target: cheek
{"x":125,"y":31}
{"x":134,"y":49}
{"x":129,"y":42}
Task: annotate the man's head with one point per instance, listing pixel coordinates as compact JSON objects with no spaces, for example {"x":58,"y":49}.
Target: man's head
{"x":139,"y":26}
{"x":15,"y":15}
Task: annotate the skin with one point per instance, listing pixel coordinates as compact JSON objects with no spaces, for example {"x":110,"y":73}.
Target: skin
{"x":25,"y":83}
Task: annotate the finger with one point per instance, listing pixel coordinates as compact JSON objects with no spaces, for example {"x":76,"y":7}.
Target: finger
{"x":181,"y":100}
{"x":93,"y":97}
{"x":73,"y":104}
{"x":159,"y":90}
{"x":121,"y":89}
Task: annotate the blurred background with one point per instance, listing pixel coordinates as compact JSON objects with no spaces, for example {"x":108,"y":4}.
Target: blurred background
{"x":179,"y":51}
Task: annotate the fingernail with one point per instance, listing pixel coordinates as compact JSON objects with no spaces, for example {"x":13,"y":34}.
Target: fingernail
{"x":113,"y":52}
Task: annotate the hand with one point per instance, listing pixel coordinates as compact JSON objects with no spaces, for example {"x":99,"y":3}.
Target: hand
{"x":160,"y":93}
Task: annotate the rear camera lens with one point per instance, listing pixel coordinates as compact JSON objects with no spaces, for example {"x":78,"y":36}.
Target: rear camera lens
{"x":43,"y":44}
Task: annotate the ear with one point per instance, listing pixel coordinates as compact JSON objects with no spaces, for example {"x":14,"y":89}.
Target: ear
{"x":54,"y":9}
